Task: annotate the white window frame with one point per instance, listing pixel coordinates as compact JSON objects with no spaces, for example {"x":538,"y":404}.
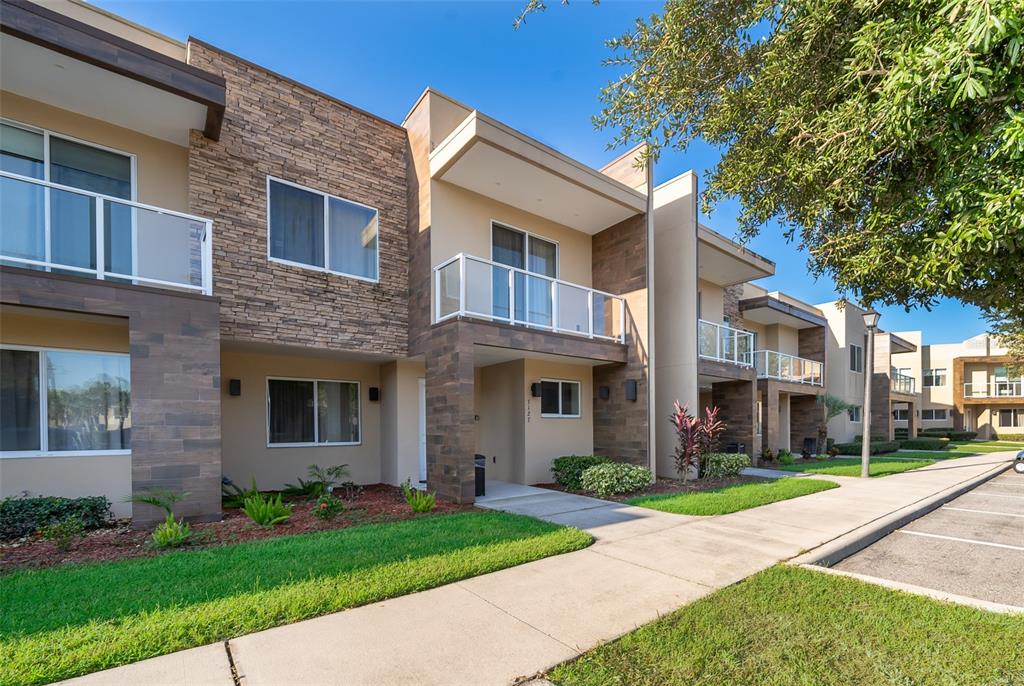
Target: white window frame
{"x":933,"y":418}
{"x":560,"y":415}
{"x":860,"y":356}
{"x":1017,"y":414}
{"x":44,"y":418}
{"x":896,"y":414}
{"x":327,"y":238}
{"x":930,"y":373}
{"x":526,"y":247}
{"x":316,"y":414}
{"x":859,"y":412}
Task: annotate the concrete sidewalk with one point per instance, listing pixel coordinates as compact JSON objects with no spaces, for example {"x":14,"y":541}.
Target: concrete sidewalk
{"x":504,"y":626}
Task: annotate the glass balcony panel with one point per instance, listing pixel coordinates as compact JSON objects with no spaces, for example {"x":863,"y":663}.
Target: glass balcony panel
{"x":72,"y":229}
{"x":707,"y":339}
{"x":152,"y":245}
{"x":604,"y":315}
{"x":727,"y":344}
{"x":480,"y":280}
{"x":448,"y":289}
{"x":24,"y":220}
{"x":744,"y":347}
{"x":573,"y":308}
{"x":539,"y":309}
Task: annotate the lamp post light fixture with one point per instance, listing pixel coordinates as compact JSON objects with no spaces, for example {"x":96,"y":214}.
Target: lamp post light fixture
{"x":871,"y":323}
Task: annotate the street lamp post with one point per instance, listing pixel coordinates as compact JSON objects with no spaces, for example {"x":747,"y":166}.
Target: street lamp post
{"x":871,"y":322}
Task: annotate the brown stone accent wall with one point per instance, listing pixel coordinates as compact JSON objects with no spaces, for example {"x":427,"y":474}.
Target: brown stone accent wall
{"x":806,"y":420}
{"x":619,"y":266}
{"x":731,"y":296}
{"x":737,"y":403}
{"x":274,"y":126}
{"x":174,"y":341}
{"x":811,"y":343}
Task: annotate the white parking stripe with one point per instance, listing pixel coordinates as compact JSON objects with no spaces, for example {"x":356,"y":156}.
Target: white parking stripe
{"x":993,"y":495}
{"x":961,"y":540}
{"x":989,"y":512}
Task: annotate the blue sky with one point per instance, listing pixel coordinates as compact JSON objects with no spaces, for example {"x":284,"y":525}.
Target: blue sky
{"x":543,"y":79}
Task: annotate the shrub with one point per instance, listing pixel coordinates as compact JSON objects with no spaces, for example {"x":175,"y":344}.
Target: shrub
{"x":164,"y":498}
{"x":718,"y":465}
{"x":266,"y":510}
{"x":63,"y":532}
{"x":327,"y":508}
{"x":321,"y":481}
{"x":615,"y":477}
{"x":568,"y":469}
{"x":171,"y":533}
{"x":963,"y":435}
{"x":22,"y":515}
{"x":1007,"y":437}
{"x":936,"y":430}
{"x":232,"y":495}
{"x":419,"y":501}
{"x":925,"y":443}
{"x":694,"y":437}
{"x":786,"y":457}
{"x":876,"y":447}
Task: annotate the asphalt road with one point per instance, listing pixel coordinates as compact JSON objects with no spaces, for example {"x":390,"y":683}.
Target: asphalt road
{"x":972,"y":546}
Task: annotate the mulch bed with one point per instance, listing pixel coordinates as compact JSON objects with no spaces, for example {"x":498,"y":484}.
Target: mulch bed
{"x":376,"y":503}
{"x":665,"y":486}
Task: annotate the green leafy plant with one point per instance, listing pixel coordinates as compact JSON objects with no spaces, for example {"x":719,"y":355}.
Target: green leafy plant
{"x":163,"y":498}
{"x":568,"y":469}
{"x":350,"y":490}
{"x":266,"y":510}
{"x":327,"y":507}
{"x":232,"y":495}
{"x":694,"y":437}
{"x":171,"y":533}
{"x":720,"y":465}
{"x":615,"y":477}
{"x":62,"y":533}
{"x":786,"y":457}
{"x":419,"y":501}
{"x":24,"y":515}
{"x":322,"y":480}
{"x":767,"y":455}
{"x":925,"y":443}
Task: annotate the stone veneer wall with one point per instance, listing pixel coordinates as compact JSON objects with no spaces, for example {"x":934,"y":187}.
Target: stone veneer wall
{"x":174,"y":342}
{"x":737,"y":403}
{"x":619,"y":265}
{"x":811,"y":343}
{"x":806,"y":419}
{"x":274,"y":126}
{"x":731,"y":296}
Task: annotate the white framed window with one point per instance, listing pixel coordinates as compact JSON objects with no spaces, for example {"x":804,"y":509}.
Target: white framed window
{"x":854,"y":413}
{"x":560,"y":398}
{"x":58,"y":402}
{"x":933,"y":378}
{"x":933,"y":415}
{"x":312,"y":412}
{"x":900,"y":415}
{"x":1011,"y":419}
{"x":315,"y":230}
{"x":856,"y":358}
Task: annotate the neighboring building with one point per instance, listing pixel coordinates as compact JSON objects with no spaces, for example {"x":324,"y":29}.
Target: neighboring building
{"x":210,"y":269}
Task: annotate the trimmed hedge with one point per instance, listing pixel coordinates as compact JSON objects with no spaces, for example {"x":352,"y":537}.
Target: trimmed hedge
{"x":876,"y":447}
{"x":568,"y":469}
{"x":925,"y":443}
{"x":615,"y":477}
{"x":23,"y":516}
{"x":947,"y":432}
{"x":940,"y":430}
{"x":718,"y":465}
{"x":1008,"y":437}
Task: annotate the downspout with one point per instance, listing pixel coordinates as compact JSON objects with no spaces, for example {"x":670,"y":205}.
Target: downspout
{"x":651,"y":425}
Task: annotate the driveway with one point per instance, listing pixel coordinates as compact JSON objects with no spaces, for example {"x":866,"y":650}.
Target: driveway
{"x":970,"y":549}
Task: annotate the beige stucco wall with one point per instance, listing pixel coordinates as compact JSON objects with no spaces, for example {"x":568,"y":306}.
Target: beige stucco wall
{"x":71,"y":477}
{"x":501,"y":423}
{"x":710,"y":303}
{"x":845,"y":326}
{"x":400,"y":417}
{"x":161,"y":167}
{"x":939,"y":397}
{"x":244,"y":451}
{"x":551,"y":437}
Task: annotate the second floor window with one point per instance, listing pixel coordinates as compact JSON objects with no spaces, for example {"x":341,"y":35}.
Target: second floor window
{"x":313,"y":229}
{"x":931,"y":378}
{"x":856,"y":358}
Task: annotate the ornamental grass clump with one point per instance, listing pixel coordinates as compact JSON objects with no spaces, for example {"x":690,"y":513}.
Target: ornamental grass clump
{"x":266,"y":510}
{"x":419,"y":501}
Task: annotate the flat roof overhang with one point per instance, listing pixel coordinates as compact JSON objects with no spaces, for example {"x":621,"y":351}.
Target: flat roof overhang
{"x":768,"y":310}
{"x":900,"y":345}
{"x":60,"y":61}
{"x":485,"y":156}
{"x":726,"y":263}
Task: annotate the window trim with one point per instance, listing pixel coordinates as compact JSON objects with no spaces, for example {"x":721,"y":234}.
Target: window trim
{"x":1016,"y":413}
{"x":327,"y":242}
{"x":856,"y":421}
{"x":526,"y":246}
{"x":933,"y":410}
{"x":929,"y":372}
{"x":316,"y":415}
{"x":44,"y":408}
{"x":862,"y":361}
{"x":548,"y":415}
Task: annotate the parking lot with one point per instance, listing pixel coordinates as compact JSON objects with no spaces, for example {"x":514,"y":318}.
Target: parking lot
{"x":972,"y":546}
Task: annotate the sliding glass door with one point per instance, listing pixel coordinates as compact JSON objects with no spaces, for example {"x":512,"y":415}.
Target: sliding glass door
{"x":520,"y":250}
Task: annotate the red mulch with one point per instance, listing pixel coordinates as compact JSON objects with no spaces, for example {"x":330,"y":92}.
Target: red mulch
{"x":376,"y":503}
{"x":662,"y":486}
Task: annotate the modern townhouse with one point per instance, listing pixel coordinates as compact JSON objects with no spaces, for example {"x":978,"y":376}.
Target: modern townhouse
{"x":212,"y":270}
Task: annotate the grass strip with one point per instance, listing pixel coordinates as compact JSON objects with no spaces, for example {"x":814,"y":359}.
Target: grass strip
{"x":850,"y":466}
{"x":732,"y":498}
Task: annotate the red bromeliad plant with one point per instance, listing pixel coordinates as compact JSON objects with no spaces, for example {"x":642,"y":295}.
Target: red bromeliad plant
{"x":695,"y":437}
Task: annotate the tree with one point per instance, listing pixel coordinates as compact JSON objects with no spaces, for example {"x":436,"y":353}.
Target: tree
{"x":887,"y":136}
{"x":832,"y":408}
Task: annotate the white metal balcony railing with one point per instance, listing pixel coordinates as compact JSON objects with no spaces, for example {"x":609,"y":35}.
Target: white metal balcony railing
{"x":724,"y":344}
{"x":56,"y":228}
{"x":474,"y":287}
{"x":902,"y":383}
{"x":995,"y":389}
{"x":785,"y":367}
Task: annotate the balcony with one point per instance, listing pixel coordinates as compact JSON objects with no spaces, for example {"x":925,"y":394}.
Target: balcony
{"x":901,"y":383}
{"x":468,"y":286}
{"x":994,"y":389}
{"x":60,"y":229}
{"x":723,"y":343}
{"x":784,"y":367}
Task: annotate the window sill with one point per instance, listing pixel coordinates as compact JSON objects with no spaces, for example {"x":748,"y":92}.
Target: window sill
{"x":27,"y":454}
{"x":313,"y":445}
{"x":321,"y":270}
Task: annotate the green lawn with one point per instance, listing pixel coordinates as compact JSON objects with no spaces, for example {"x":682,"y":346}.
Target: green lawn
{"x":789,"y":626}
{"x":850,"y":466}
{"x":732,"y":498}
{"x":65,"y":621}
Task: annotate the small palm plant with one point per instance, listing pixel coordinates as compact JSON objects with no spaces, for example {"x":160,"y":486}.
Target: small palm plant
{"x":418,"y":501}
{"x":832,"y":407}
{"x":171,"y":533}
{"x":266,"y":510}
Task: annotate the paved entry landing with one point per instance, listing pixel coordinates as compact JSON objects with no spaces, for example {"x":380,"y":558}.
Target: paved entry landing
{"x":605,"y":520}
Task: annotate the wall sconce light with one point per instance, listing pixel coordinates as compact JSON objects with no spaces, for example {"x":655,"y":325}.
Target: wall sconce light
{"x":235,"y":387}
{"x":374,"y":394}
{"x":535,"y":390}
{"x":603,"y":392}
{"x":631,"y":390}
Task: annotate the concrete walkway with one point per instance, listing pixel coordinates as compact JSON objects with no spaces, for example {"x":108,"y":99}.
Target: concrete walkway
{"x":512,"y":624}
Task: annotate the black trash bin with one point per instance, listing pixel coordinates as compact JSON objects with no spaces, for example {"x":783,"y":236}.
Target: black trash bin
{"x":480,"y":462}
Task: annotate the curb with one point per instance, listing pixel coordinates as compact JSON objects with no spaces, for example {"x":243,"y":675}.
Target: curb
{"x":854,"y":541}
